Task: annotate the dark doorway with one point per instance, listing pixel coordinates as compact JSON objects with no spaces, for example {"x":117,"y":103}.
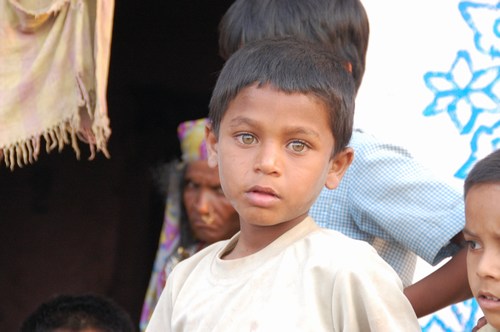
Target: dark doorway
{"x":69,"y":226}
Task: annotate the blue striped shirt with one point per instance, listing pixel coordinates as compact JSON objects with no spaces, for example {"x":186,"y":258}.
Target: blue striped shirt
{"x":389,"y":200}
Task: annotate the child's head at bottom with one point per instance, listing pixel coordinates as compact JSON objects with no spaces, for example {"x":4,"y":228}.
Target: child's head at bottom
{"x":281,"y":118}
{"x":78,"y":313}
{"x":482,"y":233}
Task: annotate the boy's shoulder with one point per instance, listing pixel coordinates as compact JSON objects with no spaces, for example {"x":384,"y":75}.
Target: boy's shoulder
{"x":330,"y":247}
{"x":339,"y":245}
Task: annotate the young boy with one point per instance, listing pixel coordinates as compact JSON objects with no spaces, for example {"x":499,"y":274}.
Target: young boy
{"x":387,"y":198}
{"x":281,"y":116}
{"x":482,"y":233}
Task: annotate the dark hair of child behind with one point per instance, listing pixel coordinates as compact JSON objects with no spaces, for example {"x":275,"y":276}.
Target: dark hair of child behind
{"x":78,"y":313}
{"x":340,"y":25}
{"x":290,"y":66}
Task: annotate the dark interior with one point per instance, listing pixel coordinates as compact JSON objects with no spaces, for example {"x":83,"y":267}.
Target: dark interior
{"x":77,"y":226}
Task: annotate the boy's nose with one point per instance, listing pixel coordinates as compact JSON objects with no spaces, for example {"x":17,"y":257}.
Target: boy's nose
{"x":489,"y":265}
{"x":268,"y":159}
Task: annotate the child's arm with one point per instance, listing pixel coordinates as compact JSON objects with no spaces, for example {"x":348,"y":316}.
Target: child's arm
{"x":445,"y":286}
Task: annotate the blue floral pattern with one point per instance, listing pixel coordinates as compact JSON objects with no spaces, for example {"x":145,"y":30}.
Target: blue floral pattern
{"x":471,"y":96}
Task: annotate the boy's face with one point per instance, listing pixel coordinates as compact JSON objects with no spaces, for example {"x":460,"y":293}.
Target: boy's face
{"x":211,"y":216}
{"x":482,"y":232}
{"x":274,"y":155}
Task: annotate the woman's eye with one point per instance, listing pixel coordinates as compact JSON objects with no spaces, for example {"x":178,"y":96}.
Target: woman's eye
{"x":190,"y":185}
{"x":298,"y":146}
{"x":246,"y":138}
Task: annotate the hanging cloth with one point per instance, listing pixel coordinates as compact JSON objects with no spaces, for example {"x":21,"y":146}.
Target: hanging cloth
{"x":54,"y":61}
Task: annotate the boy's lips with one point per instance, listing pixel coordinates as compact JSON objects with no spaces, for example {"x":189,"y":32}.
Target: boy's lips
{"x":263,"y":190}
{"x":488,"y":301}
{"x":262,"y":196}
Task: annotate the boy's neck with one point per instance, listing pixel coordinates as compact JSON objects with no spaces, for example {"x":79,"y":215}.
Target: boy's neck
{"x":254,"y":238}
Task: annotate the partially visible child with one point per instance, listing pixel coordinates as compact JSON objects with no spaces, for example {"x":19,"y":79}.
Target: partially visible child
{"x":482,"y":233}
{"x":78,"y":313}
{"x":281,"y":117}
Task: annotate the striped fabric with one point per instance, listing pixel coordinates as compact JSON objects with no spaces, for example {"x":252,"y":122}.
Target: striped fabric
{"x":54,"y":61}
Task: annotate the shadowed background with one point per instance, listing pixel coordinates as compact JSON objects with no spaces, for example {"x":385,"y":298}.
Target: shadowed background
{"x":69,"y":226}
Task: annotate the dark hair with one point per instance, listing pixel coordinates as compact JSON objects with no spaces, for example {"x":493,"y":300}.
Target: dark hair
{"x":78,"y":312}
{"x":340,"y":25}
{"x":291,"y":66}
{"x":487,"y":170}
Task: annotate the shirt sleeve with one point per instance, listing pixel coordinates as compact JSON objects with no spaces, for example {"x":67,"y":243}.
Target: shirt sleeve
{"x":394,"y":197}
{"x":162,"y":314}
{"x":368,"y":296}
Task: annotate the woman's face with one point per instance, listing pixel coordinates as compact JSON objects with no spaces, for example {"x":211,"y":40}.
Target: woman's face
{"x":211,"y":216}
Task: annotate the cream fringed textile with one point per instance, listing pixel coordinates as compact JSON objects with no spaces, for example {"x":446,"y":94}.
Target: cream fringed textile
{"x":54,"y":62}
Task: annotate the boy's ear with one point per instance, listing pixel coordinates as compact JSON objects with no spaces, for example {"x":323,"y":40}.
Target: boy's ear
{"x":211,"y":141}
{"x":340,"y":163}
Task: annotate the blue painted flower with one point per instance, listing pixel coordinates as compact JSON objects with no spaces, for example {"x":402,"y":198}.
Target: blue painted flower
{"x":464,"y":315}
{"x":464,"y":93}
{"x":484,"y":140}
{"x":484,"y":20}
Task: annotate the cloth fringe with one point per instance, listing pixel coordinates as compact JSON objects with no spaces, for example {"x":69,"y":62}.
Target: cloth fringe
{"x":26,"y":152}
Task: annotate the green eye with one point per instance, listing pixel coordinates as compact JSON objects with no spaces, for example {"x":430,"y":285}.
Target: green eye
{"x":298,"y":146}
{"x":247,"y":139}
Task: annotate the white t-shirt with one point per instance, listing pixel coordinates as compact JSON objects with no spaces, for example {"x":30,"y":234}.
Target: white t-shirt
{"x":309,"y":279}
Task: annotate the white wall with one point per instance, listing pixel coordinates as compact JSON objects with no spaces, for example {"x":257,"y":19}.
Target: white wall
{"x":421,"y":50}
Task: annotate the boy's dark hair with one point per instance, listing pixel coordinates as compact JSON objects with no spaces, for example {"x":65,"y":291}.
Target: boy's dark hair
{"x":340,"y":25}
{"x":291,"y":66}
{"x":487,"y":170}
{"x":78,"y":313}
